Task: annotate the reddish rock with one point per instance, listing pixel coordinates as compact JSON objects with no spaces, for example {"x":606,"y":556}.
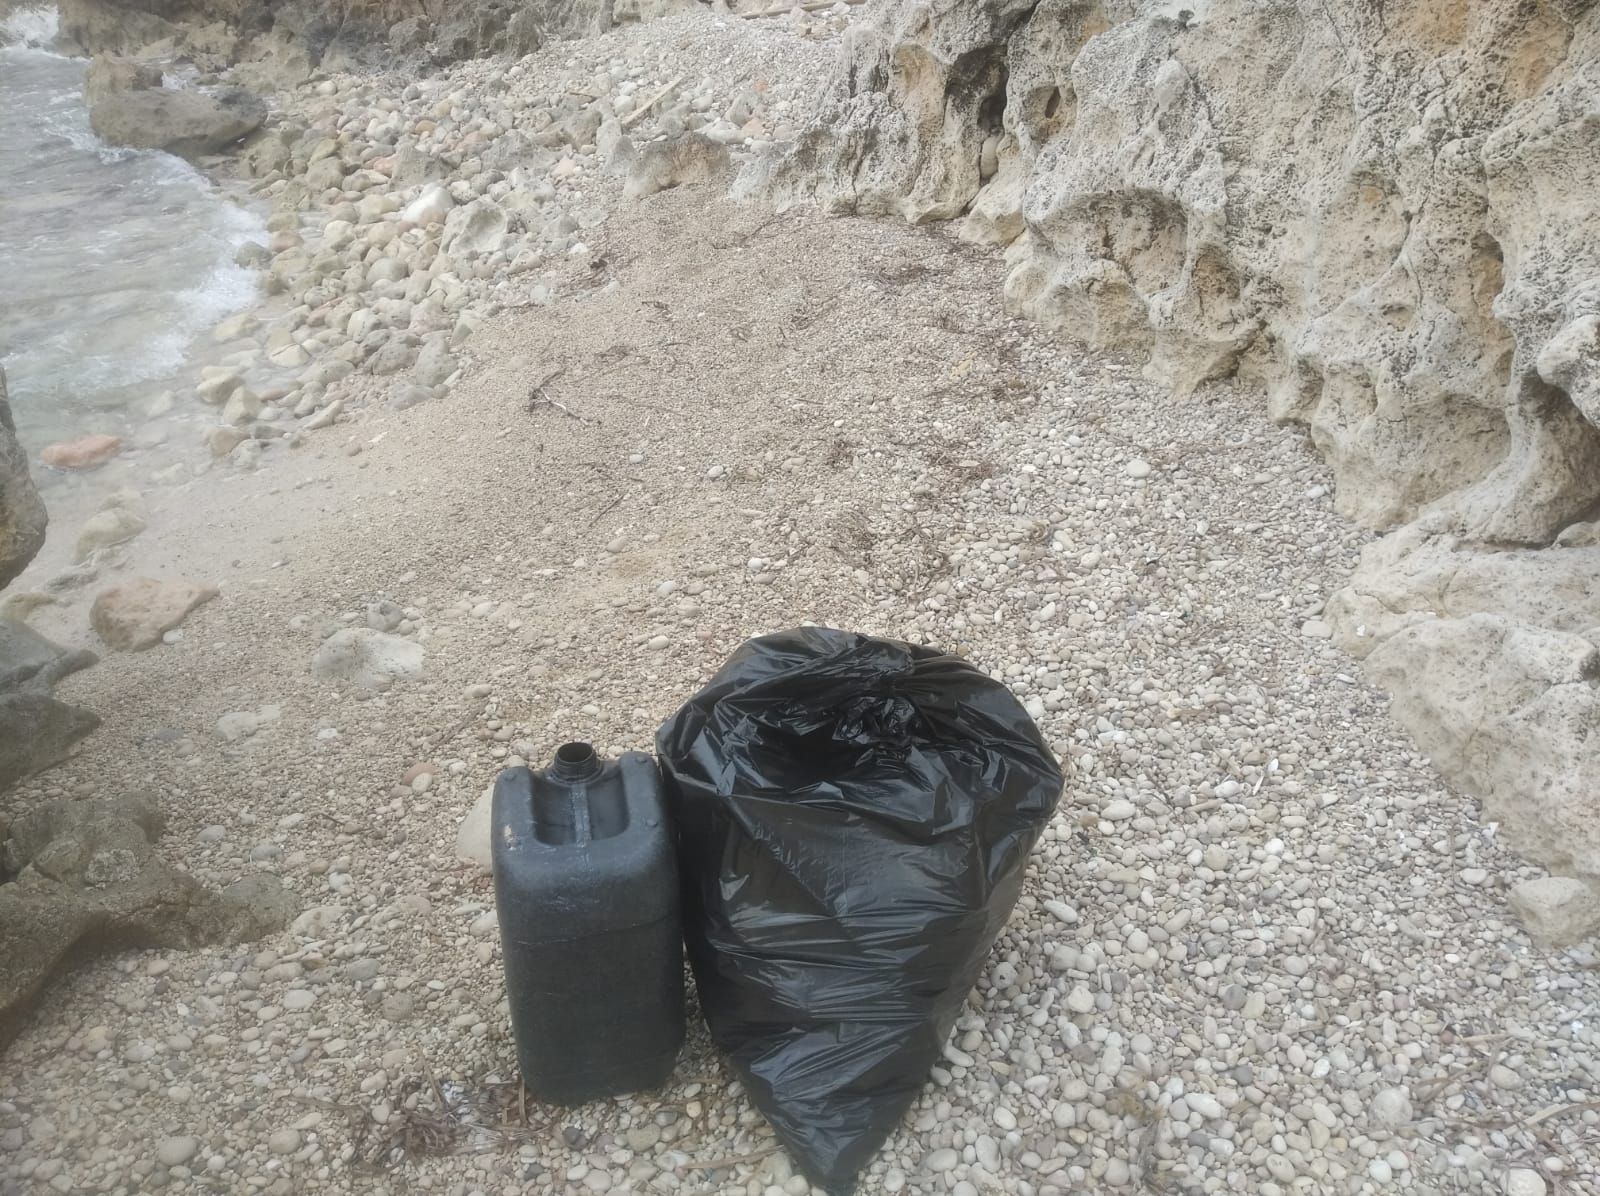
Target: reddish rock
{"x":134,"y":615}
{"x":416,"y":770}
{"x":90,"y":452}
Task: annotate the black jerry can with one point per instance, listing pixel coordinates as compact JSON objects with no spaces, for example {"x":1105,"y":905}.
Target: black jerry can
{"x":586,"y":887}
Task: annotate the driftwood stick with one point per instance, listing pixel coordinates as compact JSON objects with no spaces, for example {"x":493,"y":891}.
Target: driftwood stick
{"x":637,"y":114}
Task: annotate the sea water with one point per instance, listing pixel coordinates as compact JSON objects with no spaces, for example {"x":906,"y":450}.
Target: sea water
{"x":112,"y":261}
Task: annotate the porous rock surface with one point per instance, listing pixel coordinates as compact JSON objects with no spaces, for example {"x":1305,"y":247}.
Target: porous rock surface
{"x":1381,"y":214}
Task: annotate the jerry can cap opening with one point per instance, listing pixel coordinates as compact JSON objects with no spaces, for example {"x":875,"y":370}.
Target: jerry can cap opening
{"x":575,"y":761}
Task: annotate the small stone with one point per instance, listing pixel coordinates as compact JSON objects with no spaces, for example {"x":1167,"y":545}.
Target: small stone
{"x":1317,"y":629}
{"x":284,"y":1141}
{"x":1137,"y":468}
{"x":1391,"y":1107}
{"x":1061,"y":911}
{"x":1080,"y":999}
{"x":316,"y":922}
{"x":1521,"y":1181}
{"x":299,"y":999}
{"x":1503,"y":1077}
{"x":1119,"y":811}
{"x":1474,"y":876}
{"x":174,"y":1152}
{"x":643,"y":1137}
{"x":220,"y":441}
{"x":1380,"y":1171}
{"x":398,"y":1007}
{"x":942,"y":1161}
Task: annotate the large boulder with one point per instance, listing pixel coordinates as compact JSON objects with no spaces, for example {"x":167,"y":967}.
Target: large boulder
{"x":126,"y":109}
{"x":37,"y":729}
{"x":84,"y":876}
{"x":1509,"y":713}
{"x":109,"y":76}
{"x":22,"y":513}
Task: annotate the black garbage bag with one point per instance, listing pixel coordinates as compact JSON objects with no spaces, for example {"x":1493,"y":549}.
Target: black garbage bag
{"x":854,"y":816}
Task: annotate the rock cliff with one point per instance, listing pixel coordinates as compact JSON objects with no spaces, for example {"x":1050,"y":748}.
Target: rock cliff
{"x":293,"y":37}
{"x":1381,"y":212}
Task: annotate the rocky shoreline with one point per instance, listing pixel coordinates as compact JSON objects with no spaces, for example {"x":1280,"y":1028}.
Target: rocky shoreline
{"x":400,"y":218}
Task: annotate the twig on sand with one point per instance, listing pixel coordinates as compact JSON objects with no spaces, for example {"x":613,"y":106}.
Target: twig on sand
{"x":1558,"y":1110}
{"x":606,"y":510}
{"x":637,"y":114}
{"x":755,"y":1156}
{"x":743,"y":238}
{"x":538,"y":398}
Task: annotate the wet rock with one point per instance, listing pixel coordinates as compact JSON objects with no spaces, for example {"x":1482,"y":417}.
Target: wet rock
{"x":115,"y":525}
{"x":135,"y":615}
{"x":109,"y":76}
{"x":126,"y":109}
{"x":88,"y":452}
{"x":36,"y":729}
{"x":22,"y":513}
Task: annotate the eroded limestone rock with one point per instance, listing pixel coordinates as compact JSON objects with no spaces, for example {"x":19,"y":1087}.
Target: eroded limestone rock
{"x":1509,"y":713}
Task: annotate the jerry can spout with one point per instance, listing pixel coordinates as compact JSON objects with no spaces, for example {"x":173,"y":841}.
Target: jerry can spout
{"x":575,"y":761}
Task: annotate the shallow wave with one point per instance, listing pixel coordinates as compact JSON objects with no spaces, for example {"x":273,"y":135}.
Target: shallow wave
{"x":33,"y":28}
{"x":116,"y":260}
